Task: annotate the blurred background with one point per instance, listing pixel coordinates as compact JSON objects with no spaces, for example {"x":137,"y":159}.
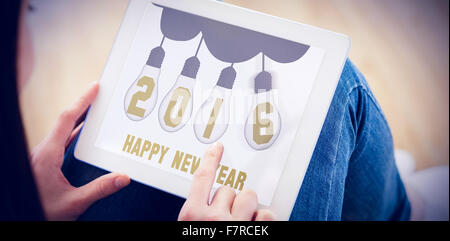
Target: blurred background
{"x":401,"y":46}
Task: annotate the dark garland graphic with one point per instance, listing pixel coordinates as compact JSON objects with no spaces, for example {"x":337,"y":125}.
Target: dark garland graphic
{"x":227,"y":43}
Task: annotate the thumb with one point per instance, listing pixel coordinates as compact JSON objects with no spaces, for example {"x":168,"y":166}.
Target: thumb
{"x":101,"y":187}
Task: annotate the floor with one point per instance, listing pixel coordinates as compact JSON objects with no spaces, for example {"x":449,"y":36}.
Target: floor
{"x":401,"y":47}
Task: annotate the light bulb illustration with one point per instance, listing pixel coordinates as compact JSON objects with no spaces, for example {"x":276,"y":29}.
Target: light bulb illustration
{"x":142,"y":95}
{"x":263,"y":124}
{"x":176,"y":107}
{"x":211,"y":120}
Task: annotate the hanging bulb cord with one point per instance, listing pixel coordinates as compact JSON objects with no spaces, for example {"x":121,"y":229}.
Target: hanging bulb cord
{"x":162,"y":41}
{"x":263,"y":81}
{"x":263,"y":57}
{"x":156,"y":56}
{"x":192,"y":64}
{"x":198,"y":48}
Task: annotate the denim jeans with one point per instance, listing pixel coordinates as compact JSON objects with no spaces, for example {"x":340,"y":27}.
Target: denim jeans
{"x":352,"y":174}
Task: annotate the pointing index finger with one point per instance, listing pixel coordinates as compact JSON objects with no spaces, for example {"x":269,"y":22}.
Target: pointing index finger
{"x":205,"y":174}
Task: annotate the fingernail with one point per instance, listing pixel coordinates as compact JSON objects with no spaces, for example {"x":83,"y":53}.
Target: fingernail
{"x":216,"y":148}
{"x":217,"y":145}
{"x":93,"y":84}
{"x":119,"y":182}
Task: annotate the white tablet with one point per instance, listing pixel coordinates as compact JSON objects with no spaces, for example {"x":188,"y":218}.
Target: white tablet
{"x":184,"y":74}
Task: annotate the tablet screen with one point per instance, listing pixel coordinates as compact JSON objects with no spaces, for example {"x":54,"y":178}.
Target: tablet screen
{"x":189,"y":81}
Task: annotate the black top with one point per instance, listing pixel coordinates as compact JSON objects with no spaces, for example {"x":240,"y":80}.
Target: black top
{"x":19,"y":198}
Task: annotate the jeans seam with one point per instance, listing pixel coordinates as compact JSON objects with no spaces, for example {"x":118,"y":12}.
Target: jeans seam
{"x":364,"y":88}
{"x":374,"y":102}
{"x":335,"y":155}
{"x":364,"y":130}
{"x":331,"y":184}
{"x":333,"y":173}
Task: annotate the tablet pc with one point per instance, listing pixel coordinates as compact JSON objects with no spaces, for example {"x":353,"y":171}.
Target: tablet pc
{"x":184,"y":74}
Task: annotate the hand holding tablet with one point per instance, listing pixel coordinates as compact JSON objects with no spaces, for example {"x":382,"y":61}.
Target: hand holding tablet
{"x":184,"y":74}
{"x":60,"y":200}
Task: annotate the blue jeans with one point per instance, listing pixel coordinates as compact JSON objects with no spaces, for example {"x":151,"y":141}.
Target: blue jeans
{"x":352,"y":174}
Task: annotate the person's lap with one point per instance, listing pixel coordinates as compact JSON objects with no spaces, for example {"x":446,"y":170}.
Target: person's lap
{"x":352,"y":173}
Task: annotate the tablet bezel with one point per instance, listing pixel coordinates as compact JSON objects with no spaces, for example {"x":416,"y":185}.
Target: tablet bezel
{"x":336,"y":48}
